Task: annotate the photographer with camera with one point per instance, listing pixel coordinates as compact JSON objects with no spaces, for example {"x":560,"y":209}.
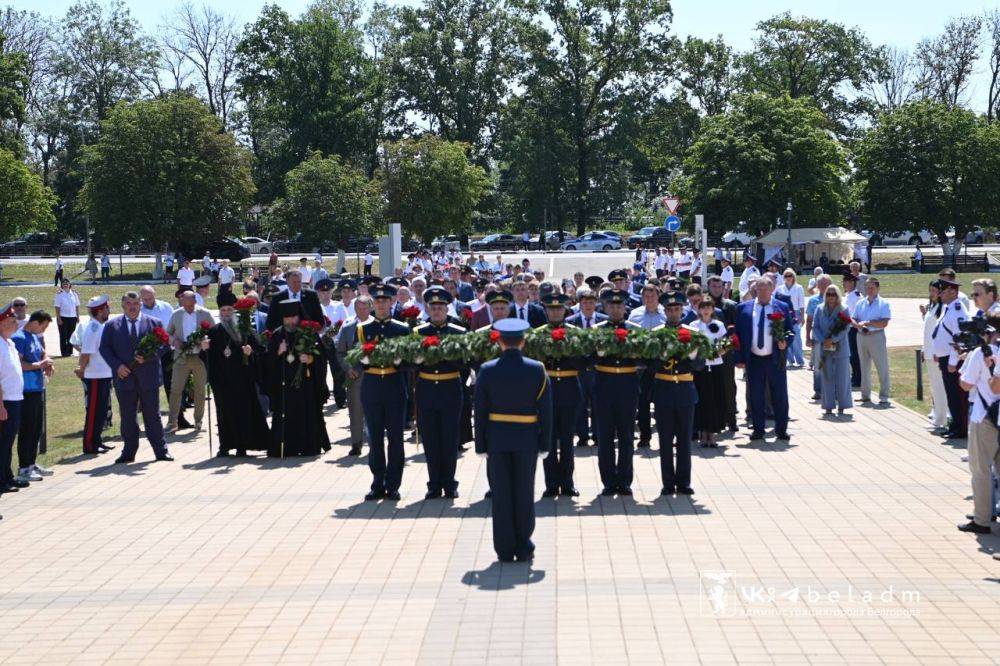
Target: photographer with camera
{"x":981,"y":379}
{"x":947,"y":356}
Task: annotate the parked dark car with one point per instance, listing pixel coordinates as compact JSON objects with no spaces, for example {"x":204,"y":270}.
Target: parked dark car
{"x":37,"y":242}
{"x":232,"y":249}
{"x":72,"y":246}
{"x":496,"y":242}
{"x":651,"y":237}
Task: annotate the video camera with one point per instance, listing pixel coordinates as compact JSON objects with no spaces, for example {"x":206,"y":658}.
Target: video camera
{"x":971,"y":334}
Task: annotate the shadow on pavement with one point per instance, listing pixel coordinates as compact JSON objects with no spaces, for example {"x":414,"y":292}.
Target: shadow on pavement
{"x":503,"y":576}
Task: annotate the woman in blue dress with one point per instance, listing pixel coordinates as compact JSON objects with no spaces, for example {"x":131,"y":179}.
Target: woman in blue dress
{"x":830,"y":326}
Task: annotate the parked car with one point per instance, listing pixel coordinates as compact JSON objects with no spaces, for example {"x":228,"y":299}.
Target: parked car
{"x":232,"y":249}
{"x":592,"y":242}
{"x":258,"y":245}
{"x":733,"y":239}
{"x":614,"y":234}
{"x":924,"y":237}
{"x":447,"y":243}
{"x":38,"y":242}
{"x":651,"y":237}
{"x":72,"y":246}
{"x":551,"y":240}
{"x":496,"y":242}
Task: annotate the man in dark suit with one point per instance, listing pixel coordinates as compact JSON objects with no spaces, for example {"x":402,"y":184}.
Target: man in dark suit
{"x":513,"y":426}
{"x":293,"y":290}
{"x":524,"y":310}
{"x":466,"y":291}
{"x":764,"y":357}
{"x":587,"y":317}
{"x":137,"y":379}
{"x":497,"y":307}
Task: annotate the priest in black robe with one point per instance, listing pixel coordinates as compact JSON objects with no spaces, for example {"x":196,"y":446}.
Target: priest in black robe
{"x":297,"y":424}
{"x":234,"y":366}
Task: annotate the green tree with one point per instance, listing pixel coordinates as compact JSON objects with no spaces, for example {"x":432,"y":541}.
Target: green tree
{"x":165,"y":171}
{"x":305,"y":84}
{"x":749,"y":162}
{"x":13,"y":90}
{"x":25,"y":202}
{"x":707,"y":73}
{"x":815,"y":59}
{"x":429,"y":186}
{"x":929,"y":165}
{"x":602,"y":57}
{"x":457,"y":60}
{"x":326,"y":198}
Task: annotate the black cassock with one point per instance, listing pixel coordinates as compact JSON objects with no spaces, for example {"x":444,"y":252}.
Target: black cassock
{"x":242,"y":424}
{"x":296,"y":413}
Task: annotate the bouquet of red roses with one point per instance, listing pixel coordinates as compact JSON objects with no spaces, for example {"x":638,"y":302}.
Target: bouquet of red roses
{"x":192,"y":344}
{"x":244,"y":320}
{"x":306,"y":344}
{"x":778,"y":331}
{"x":411,"y":314}
{"x":150,"y":343}
{"x":841,"y":323}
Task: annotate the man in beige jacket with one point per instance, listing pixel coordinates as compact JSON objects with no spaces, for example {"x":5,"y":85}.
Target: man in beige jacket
{"x":185,"y":321}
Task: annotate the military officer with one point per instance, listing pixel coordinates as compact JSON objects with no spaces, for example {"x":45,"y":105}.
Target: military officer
{"x":674,"y":398}
{"x":513,"y":425}
{"x":439,"y":400}
{"x":616,"y":394}
{"x":619,"y":278}
{"x":567,"y":399}
{"x":497,"y":308}
{"x":942,"y":338}
{"x":383,"y":398}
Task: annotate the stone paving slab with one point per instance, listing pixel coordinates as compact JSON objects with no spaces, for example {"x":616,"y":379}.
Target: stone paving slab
{"x":264,"y":561}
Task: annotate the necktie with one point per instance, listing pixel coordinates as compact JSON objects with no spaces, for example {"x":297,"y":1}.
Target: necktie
{"x":760,"y":329}
{"x":586,"y":322}
{"x":520,"y":311}
{"x":133,"y":330}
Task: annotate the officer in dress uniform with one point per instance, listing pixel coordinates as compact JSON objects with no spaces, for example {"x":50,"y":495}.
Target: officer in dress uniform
{"x":498,"y":303}
{"x":616,"y":395}
{"x":619,"y":278}
{"x":383,"y":398}
{"x":439,"y":400}
{"x":513,"y":426}
{"x":567,"y":398}
{"x":674,"y":399}
{"x":946,"y":355}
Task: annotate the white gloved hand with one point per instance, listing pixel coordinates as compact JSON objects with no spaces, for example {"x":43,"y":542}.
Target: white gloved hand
{"x":542,"y":455}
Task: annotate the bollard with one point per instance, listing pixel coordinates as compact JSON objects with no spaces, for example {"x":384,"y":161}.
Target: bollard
{"x":920,"y":376}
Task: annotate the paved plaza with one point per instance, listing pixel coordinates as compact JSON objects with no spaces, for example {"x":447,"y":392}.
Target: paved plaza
{"x":256,"y":560}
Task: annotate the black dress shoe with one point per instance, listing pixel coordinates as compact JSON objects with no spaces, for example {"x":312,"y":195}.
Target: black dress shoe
{"x":222,"y":454}
{"x":525,"y":558}
{"x":624,"y":491}
{"x":355,"y":450}
{"x":975,"y":528}
{"x":432,"y":494}
{"x":550,"y":492}
{"x":183,"y":423}
{"x":783,"y":437}
{"x":608,"y":492}
{"x":643,"y":444}
{"x":101,"y":448}
{"x":326,"y":447}
{"x":488,"y":495}
{"x":665,"y":492}
{"x":756,"y":435}
{"x":392,"y":495}
{"x":122,"y":460}
{"x":374,"y":495}
{"x":241,"y":453}
{"x":685,"y":491}
{"x":166,"y":457}
{"x":16,"y":483}
{"x":8,"y":489}
{"x":506,"y":559}
{"x":581,"y":442}
{"x":451,"y":494}
{"x":571,"y":492}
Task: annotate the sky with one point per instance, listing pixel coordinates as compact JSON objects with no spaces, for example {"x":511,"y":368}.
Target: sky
{"x":900,"y":23}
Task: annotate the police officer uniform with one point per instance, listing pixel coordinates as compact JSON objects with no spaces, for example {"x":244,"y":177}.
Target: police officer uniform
{"x":567,"y":399}
{"x":616,"y":395}
{"x":513,"y":425}
{"x":439,"y":405}
{"x":383,"y":398}
{"x":674,"y":400}
{"x":942,"y":338}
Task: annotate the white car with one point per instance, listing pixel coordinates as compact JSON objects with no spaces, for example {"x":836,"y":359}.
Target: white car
{"x":258,"y":245}
{"x":593,"y":241}
{"x":924,"y":237}
{"x":736,"y":239}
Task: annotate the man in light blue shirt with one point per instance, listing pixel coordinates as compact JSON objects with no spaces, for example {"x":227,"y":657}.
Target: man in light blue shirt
{"x":871,"y":315}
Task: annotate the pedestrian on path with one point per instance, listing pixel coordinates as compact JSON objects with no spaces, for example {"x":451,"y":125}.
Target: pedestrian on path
{"x":871,"y":316}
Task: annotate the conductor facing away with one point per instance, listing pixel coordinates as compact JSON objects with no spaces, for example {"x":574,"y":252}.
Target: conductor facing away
{"x":513,"y":408}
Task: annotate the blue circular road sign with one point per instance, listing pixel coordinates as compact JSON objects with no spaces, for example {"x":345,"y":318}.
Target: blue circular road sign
{"x":672,"y":223}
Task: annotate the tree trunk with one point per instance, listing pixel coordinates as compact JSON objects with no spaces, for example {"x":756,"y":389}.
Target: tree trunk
{"x":582,"y":185}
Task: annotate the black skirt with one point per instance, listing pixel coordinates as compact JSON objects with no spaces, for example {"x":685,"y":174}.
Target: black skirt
{"x":710,"y":412}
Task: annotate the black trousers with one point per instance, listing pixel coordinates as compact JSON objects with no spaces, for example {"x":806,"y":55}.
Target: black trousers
{"x":439,"y":412}
{"x":643,"y":411}
{"x":559,"y":464}
{"x":615,"y":397}
{"x":8,"y":432}
{"x":385,"y":404}
{"x":512,"y":480}
{"x":30,"y":431}
{"x":958,"y":399}
{"x":59,"y":276}
{"x":368,"y":270}
{"x":66,"y":327}
{"x":98,"y":392}
{"x":852,"y":339}
{"x":674,"y":425}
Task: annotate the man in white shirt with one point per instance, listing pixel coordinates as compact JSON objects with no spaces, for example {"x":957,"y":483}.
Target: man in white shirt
{"x":718,"y":256}
{"x":185,"y":276}
{"x":728,"y":276}
{"x":105,"y":267}
{"x":980,"y":378}
{"x":696,"y":266}
{"x":67,"y":307}
{"x":20,"y":306}
{"x":201,"y":288}
{"x":183,"y":323}
{"x":660,"y":262}
{"x":305,"y":271}
{"x":319,"y":273}
{"x":160,"y":310}
{"x":369,"y":261}
{"x":749,"y":271}
{"x":226,"y":277}
{"x":206,"y":263}
{"x":96,"y":375}
{"x":11,"y":399}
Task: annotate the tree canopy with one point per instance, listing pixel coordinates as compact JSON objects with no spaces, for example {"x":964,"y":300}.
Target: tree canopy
{"x":25,"y":202}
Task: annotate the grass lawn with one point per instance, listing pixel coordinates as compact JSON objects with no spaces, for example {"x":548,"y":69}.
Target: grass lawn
{"x":903,"y":373}
{"x":911,"y":285}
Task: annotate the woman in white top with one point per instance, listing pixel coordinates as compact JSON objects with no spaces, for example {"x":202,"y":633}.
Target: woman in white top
{"x":709,"y":415}
{"x":939,"y":399}
{"x":795,"y":294}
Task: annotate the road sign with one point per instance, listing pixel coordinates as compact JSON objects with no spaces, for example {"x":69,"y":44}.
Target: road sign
{"x":672,"y":203}
{"x":672,"y":223}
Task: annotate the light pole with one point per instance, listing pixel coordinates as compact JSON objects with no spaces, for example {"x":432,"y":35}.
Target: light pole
{"x":788,"y":252}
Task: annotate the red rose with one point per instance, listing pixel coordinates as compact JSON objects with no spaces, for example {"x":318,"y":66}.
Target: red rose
{"x":205,"y":325}
{"x":246,"y":303}
{"x":775,"y":316}
{"x":368,"y":347}
{"x":494,"y":336}
{"x":683,"y":335}
{"x":736,"y":341}
{"x":430,"y":341}
{"x":467,"y":314}
{"x":559,"y":334}
{"x":621,"y":334}
{"x":844,"y":317}
{"x":411,"y":312}
{"x":161,"y":335}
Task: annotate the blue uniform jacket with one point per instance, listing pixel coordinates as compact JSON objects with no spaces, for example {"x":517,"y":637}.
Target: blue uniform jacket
{"x":513,"y":386}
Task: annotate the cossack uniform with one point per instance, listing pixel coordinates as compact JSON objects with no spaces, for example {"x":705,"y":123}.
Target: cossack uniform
{"x":439,"y":398}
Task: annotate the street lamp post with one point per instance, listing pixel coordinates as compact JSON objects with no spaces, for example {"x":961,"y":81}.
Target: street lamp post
{"x":788,"y":251}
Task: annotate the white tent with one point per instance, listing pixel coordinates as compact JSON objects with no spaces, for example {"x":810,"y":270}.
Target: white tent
{"x":836,"y":242}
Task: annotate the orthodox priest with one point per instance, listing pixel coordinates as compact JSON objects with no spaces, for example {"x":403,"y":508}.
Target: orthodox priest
{"x":296,"y":387}
{"x":234,"y":364}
